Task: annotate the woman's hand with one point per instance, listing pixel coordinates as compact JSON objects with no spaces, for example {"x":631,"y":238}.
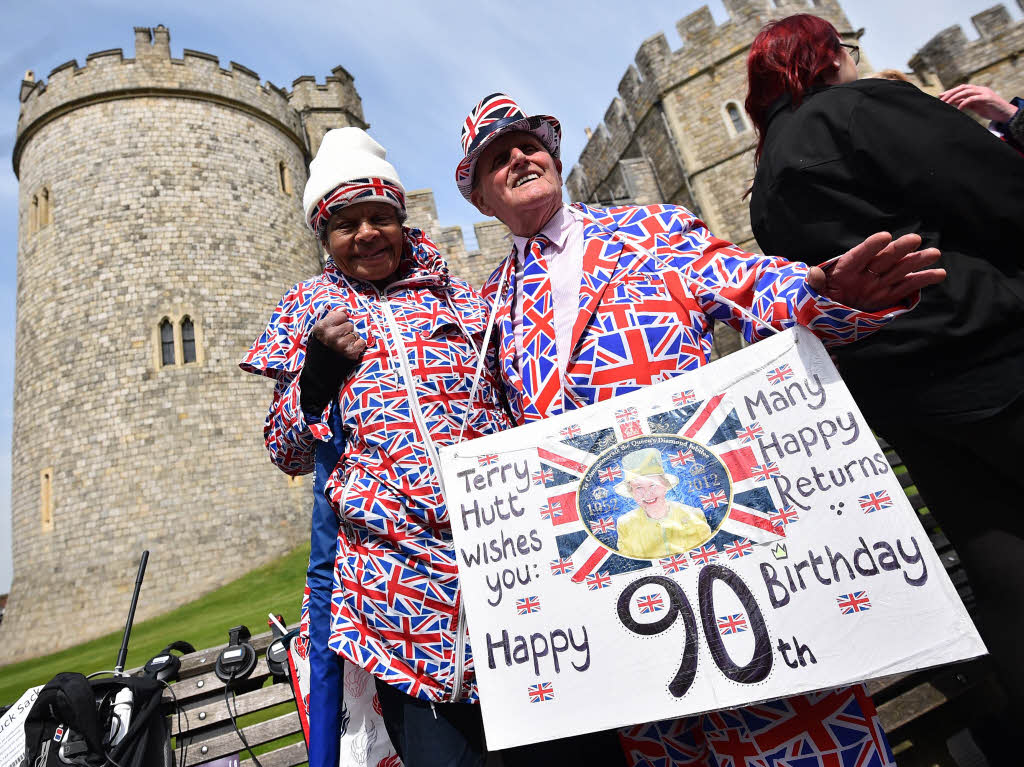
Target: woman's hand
{"x":339,"y":335}
{"x":878,"y":273}
{"x":983,"y":101}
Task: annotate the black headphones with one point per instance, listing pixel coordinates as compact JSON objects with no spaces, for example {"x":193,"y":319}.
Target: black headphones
{"x":164,"y":666}
{"x":238,"y":660}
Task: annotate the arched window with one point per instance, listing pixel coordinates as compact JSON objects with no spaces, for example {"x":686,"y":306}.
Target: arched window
{"x":284,"y":177}
{"x":739,"y":125}
{"x":45,"y":216}
{"x":188,"y":341}
{"x":166,"y":342}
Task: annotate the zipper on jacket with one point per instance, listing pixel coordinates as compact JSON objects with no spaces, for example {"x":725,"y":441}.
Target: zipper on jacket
{"x":417,"y":414}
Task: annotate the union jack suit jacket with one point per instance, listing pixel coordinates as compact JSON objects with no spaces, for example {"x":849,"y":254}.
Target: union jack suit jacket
{"x":395,"y":603}
{"x":642,"y":320}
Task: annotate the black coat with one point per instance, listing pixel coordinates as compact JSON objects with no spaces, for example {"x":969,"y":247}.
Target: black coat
{"x":877,"y":155}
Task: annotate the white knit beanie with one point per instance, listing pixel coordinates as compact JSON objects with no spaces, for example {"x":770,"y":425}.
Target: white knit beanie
{"x":349,"y":168}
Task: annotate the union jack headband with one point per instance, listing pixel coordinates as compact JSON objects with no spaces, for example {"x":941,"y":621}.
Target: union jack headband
{"x":350,"y":193}
{"x":496,"y":114}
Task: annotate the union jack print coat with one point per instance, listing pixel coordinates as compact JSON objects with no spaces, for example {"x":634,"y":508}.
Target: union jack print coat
{"x":395,"y":607}
{"x":642,"y":320}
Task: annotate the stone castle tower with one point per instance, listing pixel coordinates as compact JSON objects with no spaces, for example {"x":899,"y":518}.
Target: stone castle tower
{"x":160,"y":219}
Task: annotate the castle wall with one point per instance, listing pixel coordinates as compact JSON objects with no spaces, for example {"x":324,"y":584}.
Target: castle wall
{"x":163,"y":205}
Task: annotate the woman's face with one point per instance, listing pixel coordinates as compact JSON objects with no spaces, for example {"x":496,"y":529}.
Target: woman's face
{"x":365,"y":241}
{"x":649,"y":492}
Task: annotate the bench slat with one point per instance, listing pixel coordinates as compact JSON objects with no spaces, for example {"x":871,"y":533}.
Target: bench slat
{"x":286,"y":756}
{"x":230,"y":743}
{"x":214,"y":710}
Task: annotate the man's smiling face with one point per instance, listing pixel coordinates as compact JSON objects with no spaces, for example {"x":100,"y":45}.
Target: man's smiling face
{"x":518,"y":182}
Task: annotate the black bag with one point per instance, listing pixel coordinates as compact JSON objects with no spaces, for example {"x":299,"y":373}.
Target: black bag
{"x":70,"y":723}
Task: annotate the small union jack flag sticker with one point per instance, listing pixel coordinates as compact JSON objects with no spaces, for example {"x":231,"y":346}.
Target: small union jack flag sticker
{"x":780,"y":374}
{"x":543,"y":476}
{"x":713,"y":499}
{"x":763,"y":473}
{"x":705,"y":554}
{"x":675,"y":563}
{"x":528,"y":605}
{"x":750,"y":433}
{"x":610,"y":473}
{"x":487,"y":460}
{"x":598,"y":581}
{"x":731,"y":624}
{"x":875,"y":501}
{"x":681,"y":458}
{"x":739,"y":548}
{"x":683,"y":397}
{"x":541,"y":693}
{"x":603,"y":525}
{"x":551,"y":510}
{"x":561,"y":566}
{"x":651,"y":603}
{"x":570,"y":431}
{"x":626,"y":414}
{"x":856,"y":602}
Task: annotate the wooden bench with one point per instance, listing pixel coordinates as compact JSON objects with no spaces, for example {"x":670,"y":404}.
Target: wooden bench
{"x":919,"y":711}
{"x":201,"y":724}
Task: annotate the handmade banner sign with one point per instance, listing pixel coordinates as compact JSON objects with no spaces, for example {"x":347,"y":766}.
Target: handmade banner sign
{"x":729,"y":536}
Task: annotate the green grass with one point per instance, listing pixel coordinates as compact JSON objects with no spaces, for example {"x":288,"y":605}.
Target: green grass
{"x":276,"y":587}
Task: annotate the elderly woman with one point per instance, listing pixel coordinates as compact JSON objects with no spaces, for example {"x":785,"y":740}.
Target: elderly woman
{"x":370,"y":360}
{"x":839,"y":158}
{"x":658,"y":527}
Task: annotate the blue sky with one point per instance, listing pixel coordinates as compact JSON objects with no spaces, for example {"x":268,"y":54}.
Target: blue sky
{"x":419,"y":67}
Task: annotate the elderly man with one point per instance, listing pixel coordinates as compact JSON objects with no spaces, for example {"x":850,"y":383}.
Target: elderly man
{"x":581,"y":304}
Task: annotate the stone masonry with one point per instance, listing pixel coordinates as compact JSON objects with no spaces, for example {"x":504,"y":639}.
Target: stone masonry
{"x":173,"y":189}
{"x":165,"y":194}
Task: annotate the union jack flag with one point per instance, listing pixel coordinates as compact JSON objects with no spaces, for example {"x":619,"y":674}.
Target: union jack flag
{"x":651,"y":603}
{"x":683,"y":398}
{"x":542,"y":477}
{"x":610,"y":474}
{"x":784,"y":516}
{"x":705,"y":554}
{"x":561,"y":566}
{"x":875,"y":501}
{"x":528,"y":605}
{"x":674,"y":563}
{"x":739,"y":549}
{"x":603,"y":525}
{"x":551,"y":510}
{"x":854,"y":602}
{"x":713,"y":499}
{"x":570,"y":431}
{"x":732,"y":624}
{"x":598,"y":581}
{"x":765,"y":472}
{"x":487,"y":460}
{"x":540,"y":693}
{"x":750,"y":433}
{"x":626,"y":414}
{"x":681,"y":457}
{"x":780,"y":374}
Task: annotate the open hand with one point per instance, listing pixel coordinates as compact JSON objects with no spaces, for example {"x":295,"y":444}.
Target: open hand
{"x":338,"y":334}
{"x":983,"y":101}
{"x":878,"y":273}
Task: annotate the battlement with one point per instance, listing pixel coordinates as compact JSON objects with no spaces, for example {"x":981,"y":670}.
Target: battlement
{"x":658,"y":69}
{"x":337,"y":92}
{"x":108,"y":75}
{"x":956,"y":59}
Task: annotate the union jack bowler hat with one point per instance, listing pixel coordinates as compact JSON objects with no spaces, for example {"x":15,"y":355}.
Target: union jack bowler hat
{"x":494,"y":115}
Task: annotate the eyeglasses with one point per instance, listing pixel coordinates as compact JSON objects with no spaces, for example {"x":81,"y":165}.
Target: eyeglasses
{"x":854,"y":51}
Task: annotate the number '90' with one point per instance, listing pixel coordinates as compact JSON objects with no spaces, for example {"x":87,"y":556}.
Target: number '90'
{"x":760,"y":664}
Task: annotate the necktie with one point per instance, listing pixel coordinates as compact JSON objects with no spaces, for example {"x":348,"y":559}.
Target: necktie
{"x":542,"y":385}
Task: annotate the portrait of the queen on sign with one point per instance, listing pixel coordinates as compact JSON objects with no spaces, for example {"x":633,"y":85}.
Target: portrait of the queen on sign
{"x":655,"y":496}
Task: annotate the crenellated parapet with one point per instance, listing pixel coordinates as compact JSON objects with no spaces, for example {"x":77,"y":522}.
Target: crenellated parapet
{"x":658,"y":70}
{"x":955,"y":59}
{"x":108,"y":75}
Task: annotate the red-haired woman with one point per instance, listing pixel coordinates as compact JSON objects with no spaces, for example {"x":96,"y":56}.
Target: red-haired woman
{"x":839,"y":158}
